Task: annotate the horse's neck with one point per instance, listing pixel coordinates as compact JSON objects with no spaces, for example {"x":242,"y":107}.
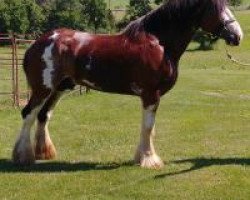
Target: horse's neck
{"x":175,"y":46}
{"x":175,"y":42}
{"x":173,"y":32}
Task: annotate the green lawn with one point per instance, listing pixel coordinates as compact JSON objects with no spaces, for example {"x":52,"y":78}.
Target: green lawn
{"x":202,"y":135}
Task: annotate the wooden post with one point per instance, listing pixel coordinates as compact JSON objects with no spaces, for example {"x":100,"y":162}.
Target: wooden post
{"x":13,"y":70}
{"x":17,"y":73}
{"x":80,"y":90}
{"x":110,"y":14}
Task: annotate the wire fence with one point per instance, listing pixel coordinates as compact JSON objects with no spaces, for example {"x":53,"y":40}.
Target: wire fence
{"x":12,"y":81}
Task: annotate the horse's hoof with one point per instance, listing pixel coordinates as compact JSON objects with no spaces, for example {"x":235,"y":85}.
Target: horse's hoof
{"x":150,"y":161}
{"x":23,"y":157}
{"x":47,"y":152}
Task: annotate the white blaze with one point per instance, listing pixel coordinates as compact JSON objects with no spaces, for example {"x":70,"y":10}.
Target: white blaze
{"x":234,"y":26}
{"x":49,"y":68}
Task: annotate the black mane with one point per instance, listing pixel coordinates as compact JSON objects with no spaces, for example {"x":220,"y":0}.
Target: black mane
{"x":174,"y":14}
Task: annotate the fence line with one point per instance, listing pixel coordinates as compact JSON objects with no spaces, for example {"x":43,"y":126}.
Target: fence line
{"x":11,"y":60}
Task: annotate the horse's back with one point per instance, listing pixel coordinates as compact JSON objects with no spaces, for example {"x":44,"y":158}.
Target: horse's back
{"x":111,"y":62}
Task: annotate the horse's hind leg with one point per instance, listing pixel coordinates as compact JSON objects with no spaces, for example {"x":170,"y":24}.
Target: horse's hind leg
{"x":44,"y":148}
{"x":23,"y":153}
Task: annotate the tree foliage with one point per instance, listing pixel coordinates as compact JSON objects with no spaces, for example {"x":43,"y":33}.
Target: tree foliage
{"x":97,"y":16}
{"x":64,"y":13}
{"x":135,"y":9}
{"x":235,"y":2}
{"x":77,"y":14}
{"x":29,"y":16}
{"x":20,"y":16}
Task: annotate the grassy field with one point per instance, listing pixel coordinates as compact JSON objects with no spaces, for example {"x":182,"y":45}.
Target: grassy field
{"x":121,"y":4}
{"x":202,"y":135}
{"x":114,"y":4}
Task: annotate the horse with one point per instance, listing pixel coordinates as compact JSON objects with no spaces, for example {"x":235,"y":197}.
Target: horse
{"x":142,"y":60}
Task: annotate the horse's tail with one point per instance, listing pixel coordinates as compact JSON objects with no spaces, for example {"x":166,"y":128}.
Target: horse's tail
{"x":26,"y":63}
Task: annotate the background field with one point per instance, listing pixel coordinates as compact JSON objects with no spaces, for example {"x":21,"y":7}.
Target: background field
{"x":202,"y":135}
{"x":123,"y":3}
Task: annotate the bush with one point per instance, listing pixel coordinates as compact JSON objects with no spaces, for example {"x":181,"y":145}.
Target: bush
{"x":206,"y":41}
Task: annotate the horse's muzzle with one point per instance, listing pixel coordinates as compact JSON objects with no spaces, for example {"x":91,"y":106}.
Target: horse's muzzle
{"x":231,"y":39}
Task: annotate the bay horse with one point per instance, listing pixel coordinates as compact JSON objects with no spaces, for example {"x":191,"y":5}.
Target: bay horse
{"x":142,"y":60}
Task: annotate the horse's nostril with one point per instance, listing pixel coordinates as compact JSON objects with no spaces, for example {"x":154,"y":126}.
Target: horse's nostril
{"x":239,"y":38}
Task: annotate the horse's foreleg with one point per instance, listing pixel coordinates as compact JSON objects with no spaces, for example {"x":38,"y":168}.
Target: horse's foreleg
{"x":23,"y":153}
{"x":146,"y":155}
{"x":44,"y":147}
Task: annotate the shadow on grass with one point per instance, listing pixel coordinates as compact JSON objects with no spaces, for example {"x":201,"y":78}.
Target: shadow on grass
{"x":8,"y":166}
{"x":199,"y":163}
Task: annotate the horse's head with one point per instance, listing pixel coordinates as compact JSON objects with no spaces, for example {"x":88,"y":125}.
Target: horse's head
{"x":221,"y":22}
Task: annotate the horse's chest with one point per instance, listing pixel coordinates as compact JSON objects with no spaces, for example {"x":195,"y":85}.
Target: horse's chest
{"x":168,"y":77}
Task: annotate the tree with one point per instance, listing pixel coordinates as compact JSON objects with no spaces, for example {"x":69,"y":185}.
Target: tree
{"x":76,"y":14}
{"x":235,"y":3}
{"x":20,"y":16}
{"x":36,"y":17}
{"x":64,"y":13}
{"x":96,"y":14}
{"x":135,"y":9}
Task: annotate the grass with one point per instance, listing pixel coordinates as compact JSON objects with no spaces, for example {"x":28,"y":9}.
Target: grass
{"x":121,"y":4}
{"x":202,"y":135}
{"x":114,"y":4}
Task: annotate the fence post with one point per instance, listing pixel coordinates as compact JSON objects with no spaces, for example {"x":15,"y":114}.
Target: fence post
{"x":16,"y":73}
{"x":13,"y":69}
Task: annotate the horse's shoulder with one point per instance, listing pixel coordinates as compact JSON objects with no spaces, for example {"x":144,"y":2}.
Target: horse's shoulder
{"x":146,"y":41}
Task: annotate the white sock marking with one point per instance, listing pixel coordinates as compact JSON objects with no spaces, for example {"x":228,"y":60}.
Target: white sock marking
{"x":24,"y":138}
{"x":149,"y":117}
{"x":147,"y":131}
